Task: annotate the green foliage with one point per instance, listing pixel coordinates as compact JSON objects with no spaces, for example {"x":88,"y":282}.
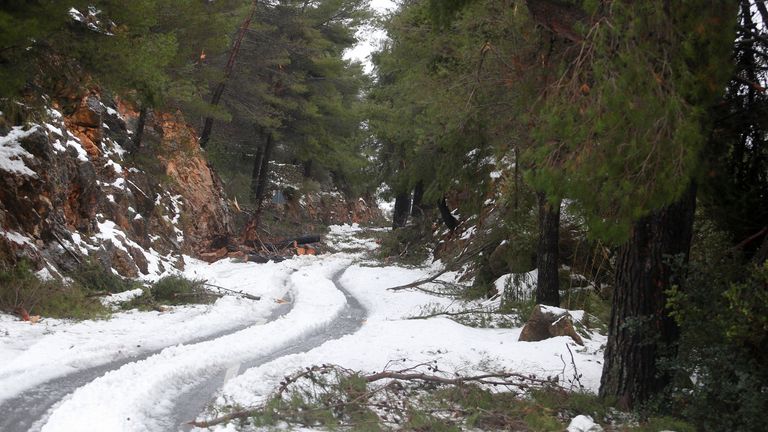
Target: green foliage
{"x":722,"y":316}
{"x":147,"y":51}
{"x":176,"y":290}
{"x":332,"y":399}
{"x":295,"y":89}
{"x":21,"y":288}
{"x":171,"y":290}
{"x":409,"y":245}
{"x":623,"y":129}
{"x":94,"y":277}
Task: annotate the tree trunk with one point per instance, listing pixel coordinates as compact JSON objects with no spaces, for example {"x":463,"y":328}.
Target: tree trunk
{"x":450,"y":221}
{"x":140,"y":128}
{"x":418,"y":193}
{"x":548,"y":254}
{"x":402,"y":208}
{"x":261,"y":187}
{"x":307,"y":168}
{"x":640,"y":331}
{"x":230,"y":66}
{"x":255,"y":174}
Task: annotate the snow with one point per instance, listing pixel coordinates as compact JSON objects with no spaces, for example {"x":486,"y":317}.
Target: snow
{"x":172,"y":371}
{"x":75,"y":143}
{"x":115,"y":166}
{"x":148,"y":388}
{"x":389,"y":336}
{"x":11,"y":152}
{"x":17,"y":238}
{"x":583,"y":423}
{"x":33,"y":354}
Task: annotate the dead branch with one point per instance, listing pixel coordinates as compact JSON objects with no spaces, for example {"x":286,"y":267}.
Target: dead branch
{"x":459,"y":313}
{"x":231,"y":291}
{"x":508,"y":379}
{"x":465,"y":257}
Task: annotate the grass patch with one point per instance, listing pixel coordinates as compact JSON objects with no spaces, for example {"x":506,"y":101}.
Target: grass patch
{"x":21,"y":288}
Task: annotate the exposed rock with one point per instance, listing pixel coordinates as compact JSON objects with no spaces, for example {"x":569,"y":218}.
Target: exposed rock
{"x":214,"y":256}
{"x":123,"y":263}
{"x":88,"y":113}
{"x":139,"y":259}
{"x":546,"y":322}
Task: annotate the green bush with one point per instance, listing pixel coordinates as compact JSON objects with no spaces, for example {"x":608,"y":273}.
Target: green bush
{"x":723,"y":316}
{"x":408,"y":245}
{"x":94,"y":277}
{"x":177,"y":290}
{"x":21,"y":288}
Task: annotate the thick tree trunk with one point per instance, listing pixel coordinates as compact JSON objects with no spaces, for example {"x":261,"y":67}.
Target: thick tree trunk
{"x":548,"y":254}
{"x":307,"y":168}
{"x":417,"y":209}
{"x":402,"y":208}
{"x":139,"y":134}
{"x":640,"y":331}
{"x":445,"y":213}
{"x":261,"y":187}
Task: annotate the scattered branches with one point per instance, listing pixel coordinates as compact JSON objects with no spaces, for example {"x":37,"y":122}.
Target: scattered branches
{"x":350,"y":395}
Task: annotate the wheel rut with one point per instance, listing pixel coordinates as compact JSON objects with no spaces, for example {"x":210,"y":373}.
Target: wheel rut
{"x":28,"y":411}
{"x":195,"y":401}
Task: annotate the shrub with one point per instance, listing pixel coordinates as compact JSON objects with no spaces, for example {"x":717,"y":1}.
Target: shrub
{"x":94,"y":277}
{"x":177,"y":290}
{"x":722,"y":314}
{"x":21,"y":288}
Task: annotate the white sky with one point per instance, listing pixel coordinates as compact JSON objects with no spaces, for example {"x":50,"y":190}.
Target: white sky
{"x":370,"y":37}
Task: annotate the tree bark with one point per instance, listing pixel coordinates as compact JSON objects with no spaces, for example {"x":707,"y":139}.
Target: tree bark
{"x":640,"y":331}
{"x":261,"y":187}
{"x":548,"y":254}
{"x":402,"y":208}
{"x":418,"y":193}
{"x":230,"y":66}
{"x":137,"y":137}
{"x":255,"y":174}
{"x":448,"y":219}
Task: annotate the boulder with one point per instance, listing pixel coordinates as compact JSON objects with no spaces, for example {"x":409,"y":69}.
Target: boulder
{"x":546,"y":322}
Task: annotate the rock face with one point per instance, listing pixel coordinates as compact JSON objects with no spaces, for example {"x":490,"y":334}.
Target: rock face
{"x":546,"y":322}
{"x":73,"y":188}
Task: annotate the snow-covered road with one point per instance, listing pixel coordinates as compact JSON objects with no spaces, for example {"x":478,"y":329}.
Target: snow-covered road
{"x":147,"y":371}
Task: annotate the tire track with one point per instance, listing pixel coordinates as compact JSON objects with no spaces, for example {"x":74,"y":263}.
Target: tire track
{"x":196,"y":400}
{"x":27,"y":411}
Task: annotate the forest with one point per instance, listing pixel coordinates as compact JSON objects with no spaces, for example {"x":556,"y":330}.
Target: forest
{"x":614,"y":151}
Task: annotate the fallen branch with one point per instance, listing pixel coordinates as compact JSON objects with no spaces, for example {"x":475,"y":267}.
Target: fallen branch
{"x":463,"y":259}
{"x":509,"y":379}
{"x":459,"y":313}
{"x":231,"y":291}
{"x":491,"y":379}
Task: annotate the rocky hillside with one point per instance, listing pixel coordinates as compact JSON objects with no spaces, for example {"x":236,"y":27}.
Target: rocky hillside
{"x":73,"y":188}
